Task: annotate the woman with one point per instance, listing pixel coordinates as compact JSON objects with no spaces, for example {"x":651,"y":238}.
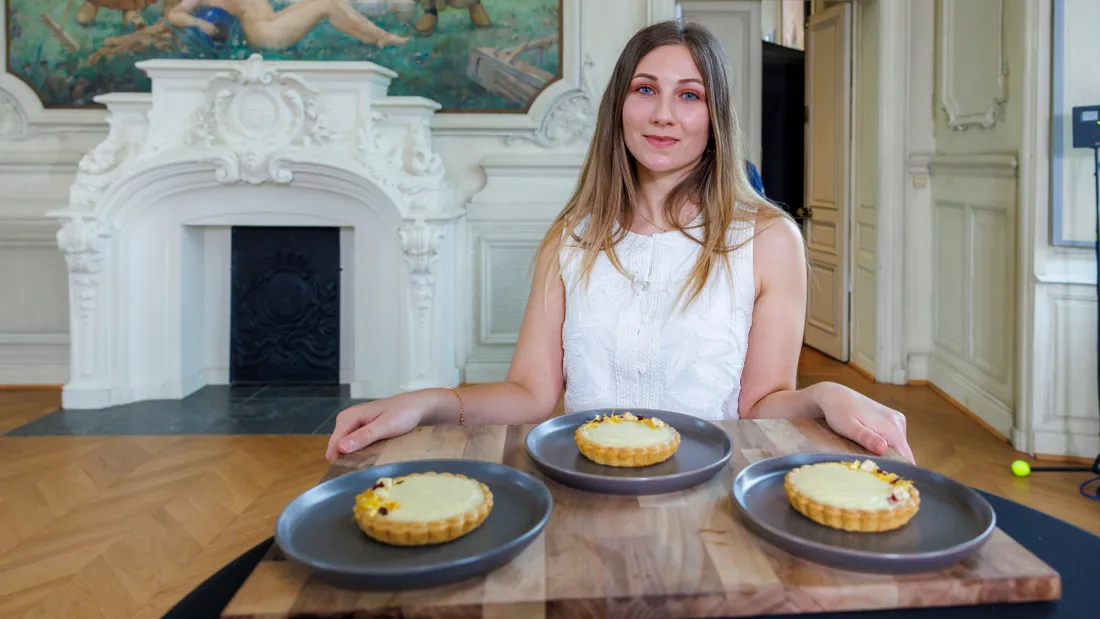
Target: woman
{"x":266,"y":27}
{"x":666,"y":282}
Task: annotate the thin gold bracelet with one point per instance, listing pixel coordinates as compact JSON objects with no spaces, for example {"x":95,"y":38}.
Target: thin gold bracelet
{"x":461,"y":407}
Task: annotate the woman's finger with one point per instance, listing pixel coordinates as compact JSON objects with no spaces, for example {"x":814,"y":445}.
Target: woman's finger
{"x":890,"y":425}
{"x":870,"y":439}
{"x":347,"y":421}
{"x":898,"y":441}
{"x":379,"y":428}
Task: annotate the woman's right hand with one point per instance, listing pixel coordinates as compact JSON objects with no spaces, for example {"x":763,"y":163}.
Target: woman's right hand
{"x":370,"y":422}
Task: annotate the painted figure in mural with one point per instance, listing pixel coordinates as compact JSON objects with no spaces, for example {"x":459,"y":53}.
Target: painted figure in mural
{"x":86,"y":14}
{"x":426,"y":25}
{"x":266,"y":27}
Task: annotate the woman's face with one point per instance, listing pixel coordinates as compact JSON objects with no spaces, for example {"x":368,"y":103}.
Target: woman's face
{"x":666,"y":124}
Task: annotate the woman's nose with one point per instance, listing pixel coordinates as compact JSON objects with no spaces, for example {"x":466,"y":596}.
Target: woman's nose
{"x":662,"y":111}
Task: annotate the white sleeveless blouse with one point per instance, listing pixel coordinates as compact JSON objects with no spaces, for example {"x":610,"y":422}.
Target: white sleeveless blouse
{"x":629,"y":344}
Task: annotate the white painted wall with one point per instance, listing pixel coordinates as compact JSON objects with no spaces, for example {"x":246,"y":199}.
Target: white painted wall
{"x":916,"y":192}
{"x":974,"y":232}
{"x":978,"y":135}
{"x":1015,"y":317}
{"x":865,"y":190}
{"x":1058,"y":392}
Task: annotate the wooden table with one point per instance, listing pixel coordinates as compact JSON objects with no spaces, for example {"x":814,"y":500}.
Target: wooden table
{"x":685,"y":554}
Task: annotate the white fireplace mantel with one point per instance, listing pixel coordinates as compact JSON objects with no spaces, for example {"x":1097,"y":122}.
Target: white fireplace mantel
{"x":223,"y":143}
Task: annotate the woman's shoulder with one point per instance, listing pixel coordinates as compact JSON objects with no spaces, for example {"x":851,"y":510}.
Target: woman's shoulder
{"x":777,"y":229}
{"x":778,"y":244}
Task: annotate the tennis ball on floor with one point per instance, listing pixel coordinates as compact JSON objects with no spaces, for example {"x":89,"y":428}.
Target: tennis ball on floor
{"x":1021,"y":468}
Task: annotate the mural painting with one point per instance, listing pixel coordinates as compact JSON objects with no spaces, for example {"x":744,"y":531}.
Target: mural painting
{"x":491,"y":56}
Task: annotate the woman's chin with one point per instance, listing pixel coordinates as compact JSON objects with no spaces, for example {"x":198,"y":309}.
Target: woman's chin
{"x":661,"y":165}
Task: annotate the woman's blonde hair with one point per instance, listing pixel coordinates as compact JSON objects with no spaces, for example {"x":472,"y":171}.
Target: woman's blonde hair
{"x":607,"y":188}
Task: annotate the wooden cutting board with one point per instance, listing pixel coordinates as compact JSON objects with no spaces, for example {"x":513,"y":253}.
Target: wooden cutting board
{"x":685,"y":554}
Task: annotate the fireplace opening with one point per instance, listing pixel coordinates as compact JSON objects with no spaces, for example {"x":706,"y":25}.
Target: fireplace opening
{"x":284,"y":306}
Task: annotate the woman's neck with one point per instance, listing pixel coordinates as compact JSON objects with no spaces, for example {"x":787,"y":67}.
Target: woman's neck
{"x":652,"y":189}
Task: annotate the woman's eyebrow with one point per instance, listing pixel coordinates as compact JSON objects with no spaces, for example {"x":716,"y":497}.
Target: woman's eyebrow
{"x":654,"y":78}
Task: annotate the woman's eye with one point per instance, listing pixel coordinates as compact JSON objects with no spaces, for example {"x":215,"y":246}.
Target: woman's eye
{"x":691,"y":96}
{"x":645,"y":90}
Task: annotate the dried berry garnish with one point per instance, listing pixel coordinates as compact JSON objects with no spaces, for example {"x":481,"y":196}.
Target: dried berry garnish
{"x":893,"y":499}
{"x":376,"y":486}
{"x":383,"y":511}
{"x":400,"y":481}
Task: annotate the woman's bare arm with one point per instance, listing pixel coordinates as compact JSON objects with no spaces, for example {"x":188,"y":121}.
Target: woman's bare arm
{"x":181,"y":16}
{"x":534,"y":383}
{"x":769,"y":379}
{"x":528,"y":394}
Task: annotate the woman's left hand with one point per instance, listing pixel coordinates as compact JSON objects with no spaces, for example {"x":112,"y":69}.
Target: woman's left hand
{"x":863,"y":420}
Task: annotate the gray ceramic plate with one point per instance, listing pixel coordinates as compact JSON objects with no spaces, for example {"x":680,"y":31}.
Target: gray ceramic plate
{"x":704,"y":450}
{"x":953,"y":522}
{"x":317,"y":531}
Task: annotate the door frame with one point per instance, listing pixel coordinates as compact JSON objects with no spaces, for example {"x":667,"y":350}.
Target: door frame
{"x":891,"y":362}
{"x":841,"y":212}
{"x":894,"y":86}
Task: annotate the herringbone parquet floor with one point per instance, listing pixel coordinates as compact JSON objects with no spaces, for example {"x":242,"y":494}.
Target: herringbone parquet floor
{"x":123,"y":527}
{"x":119,"y":527}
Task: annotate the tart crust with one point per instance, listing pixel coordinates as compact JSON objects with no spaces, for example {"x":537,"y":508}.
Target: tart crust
{"x":856,"y":520}
{"x":626,"y":456}
{"x":370,"y":514}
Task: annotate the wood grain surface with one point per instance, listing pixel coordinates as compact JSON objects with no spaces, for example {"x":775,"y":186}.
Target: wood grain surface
{"x":684,"y":554}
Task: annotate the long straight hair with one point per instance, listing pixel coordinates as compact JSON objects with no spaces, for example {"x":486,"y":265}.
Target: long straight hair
{"x":607,"y":189}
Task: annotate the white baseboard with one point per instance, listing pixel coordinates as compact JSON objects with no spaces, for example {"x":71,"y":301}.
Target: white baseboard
{"x":971,"y":397}
{"x":216,"y":376}
{"x":34,"y":358}
{"x":1064,"y":444}
{"x":917,"y":367}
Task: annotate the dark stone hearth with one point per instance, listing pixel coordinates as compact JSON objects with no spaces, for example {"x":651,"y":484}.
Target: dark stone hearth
{"x":215,"y":409}
{"x":285,"y":307}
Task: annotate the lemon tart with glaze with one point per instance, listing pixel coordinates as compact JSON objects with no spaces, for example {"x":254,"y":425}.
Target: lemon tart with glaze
{"x":627,"y":440}
{"x":852,"y":496}
{"x":422,"y":508}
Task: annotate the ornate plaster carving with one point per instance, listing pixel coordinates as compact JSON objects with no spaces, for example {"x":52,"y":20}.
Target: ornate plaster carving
{"x":376,"y":153}
{"x":254,"y":126}
{"x":420,"y":243}
{"x":84,"y":243}
{"x":977,"y":96}
{"x":101,"y":166}
{"x":106,"y":156}
{"x":13,"y":121}
{"x":421,"y":161}
{"x":84,"y":240}
{"x":570,"y":119}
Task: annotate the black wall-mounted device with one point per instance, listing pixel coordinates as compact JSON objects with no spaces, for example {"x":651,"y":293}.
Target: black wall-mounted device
{"x":1086,"y":126}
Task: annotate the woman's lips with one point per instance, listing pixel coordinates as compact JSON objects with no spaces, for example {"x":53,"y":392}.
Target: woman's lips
{"x":661,"y":141}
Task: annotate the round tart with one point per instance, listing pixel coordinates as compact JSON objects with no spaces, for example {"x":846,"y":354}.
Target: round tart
{"x":627,"y":440}
{"x":422,"y":508}
{"x":852,"y":496}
